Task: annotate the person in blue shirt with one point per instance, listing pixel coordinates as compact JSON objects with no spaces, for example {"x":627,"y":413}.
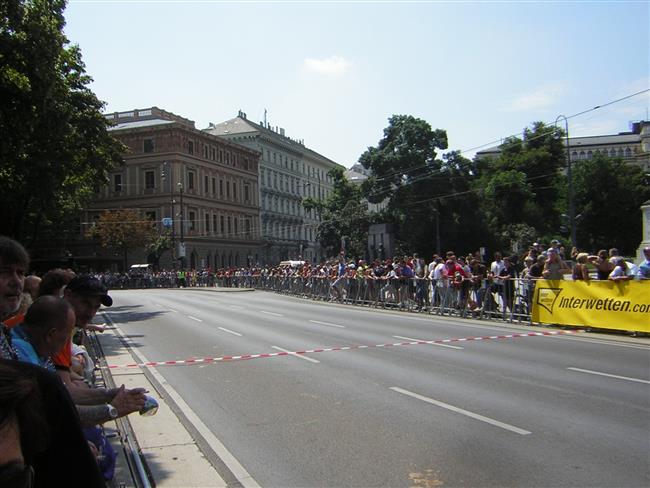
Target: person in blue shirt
{"x":48,"y":324}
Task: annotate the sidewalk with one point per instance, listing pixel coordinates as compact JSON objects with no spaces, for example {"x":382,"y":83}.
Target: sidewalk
{"x":170,"y":453}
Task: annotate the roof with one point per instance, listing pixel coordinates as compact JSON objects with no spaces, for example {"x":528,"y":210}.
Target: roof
{"x":237,"y":125}
{"x":241,"y":125}
{"x":140,"y":123}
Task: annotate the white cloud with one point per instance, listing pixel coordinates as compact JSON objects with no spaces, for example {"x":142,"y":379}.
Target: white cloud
{"x":332,"y":66}
{"x":543,"y":97}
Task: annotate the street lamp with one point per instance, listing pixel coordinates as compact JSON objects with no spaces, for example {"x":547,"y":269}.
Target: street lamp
{"x":569,"y":174}
{"x":181,"y":250}
{"x":168,"y":173}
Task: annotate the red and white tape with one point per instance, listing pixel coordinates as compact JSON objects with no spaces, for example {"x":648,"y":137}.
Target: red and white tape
{"x":194,"y":361}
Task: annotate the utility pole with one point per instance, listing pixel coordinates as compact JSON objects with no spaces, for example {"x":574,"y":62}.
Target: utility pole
{"x":569,"y":174}
{"x":181,"y":251}
{"x":168,"y":173}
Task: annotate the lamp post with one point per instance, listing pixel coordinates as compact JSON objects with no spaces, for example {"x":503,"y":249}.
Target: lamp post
{"x":569,"y":174}
{"x":167,"y":173}
{"x":181,"y":250}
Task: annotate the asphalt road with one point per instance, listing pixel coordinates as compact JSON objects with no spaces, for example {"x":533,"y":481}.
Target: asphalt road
{"x":548,"y":411}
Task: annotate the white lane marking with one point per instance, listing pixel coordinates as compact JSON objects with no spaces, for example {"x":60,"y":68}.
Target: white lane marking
{"x":194,"y":318}
{"x":301,"y":356}
{"x":609,"y":375}
{"x":327,"y":323}
{"x":272,"y":313}
{"x":421,"y":340}
{"x":229,"y":331}
{"x":236,"y":307}
{"x":215,"y":444}
{"x":172,"y":310}
{"x":604,"y":342}
{"x":467,"y":413}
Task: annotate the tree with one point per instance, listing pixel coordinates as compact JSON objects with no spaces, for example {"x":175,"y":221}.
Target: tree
{"x":55,"y":150}
{"x":608,"y":195}
{"x":344,"y":215}
{"x":523,"y":185}
{"x":404,"y":167}
{"x":124,"y":231}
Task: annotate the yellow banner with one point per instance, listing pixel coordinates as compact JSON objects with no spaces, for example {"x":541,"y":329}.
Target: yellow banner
{"x":623,"y":305}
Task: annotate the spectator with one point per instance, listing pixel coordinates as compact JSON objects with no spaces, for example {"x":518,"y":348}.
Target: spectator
{"x":508,"y":275}
{"x":643,"y":272}
{"x":48,"y":325}
{"x":32,"y":284}
{"x":580,"y":269}
{"x":478,"y":273}
{"x":603,"y":265}
{"x":554,"y":268}
{"x":620,"y":272}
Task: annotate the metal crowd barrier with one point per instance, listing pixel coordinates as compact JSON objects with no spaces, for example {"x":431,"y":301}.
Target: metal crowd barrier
{"x":508,"y":300}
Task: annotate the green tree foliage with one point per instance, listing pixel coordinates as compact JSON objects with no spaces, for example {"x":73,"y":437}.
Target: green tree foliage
{"x":344,"y":215}
{"x":608,"y":194}
{"x":524,"y":183}
{"x":123,"y":231}
{"x":430,"y":198}
{"x":55,"y":150}
{"x":404,"y":166}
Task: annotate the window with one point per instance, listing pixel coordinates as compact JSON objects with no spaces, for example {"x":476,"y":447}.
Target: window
{"x":207,"y":222}
{"x":223,"y":228}
{"x":247,"y":193}
{"x":117,"y":183}
{"x":236,"y":225}
{"x":214,"y":186}
{"x":205,"y":184}
{"x":214,"y":223}
{"x":234,"y":190}
{"x":229,"y":226}
{"x":247,"y":227}
{"x":220,"y":188}
{"x":148,"y":145}
{"x":227,"y":189}
{"x":190,"y":147}
{"x":192,"y":219}
{"x":190,"y":180}
{"x":149,"y":180}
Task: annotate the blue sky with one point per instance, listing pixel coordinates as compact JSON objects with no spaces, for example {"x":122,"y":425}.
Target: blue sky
{"x":332,"y":73}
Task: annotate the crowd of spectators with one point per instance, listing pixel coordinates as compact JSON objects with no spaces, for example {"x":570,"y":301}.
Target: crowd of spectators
{"x":51,"y":409}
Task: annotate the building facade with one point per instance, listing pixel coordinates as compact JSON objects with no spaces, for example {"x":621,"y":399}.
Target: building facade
{"x":200,"y":188}
{"x":289,"y":172}
{"x":633,"y":146}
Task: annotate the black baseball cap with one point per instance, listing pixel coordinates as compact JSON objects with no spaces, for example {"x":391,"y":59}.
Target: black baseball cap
{"x":90,"y":286}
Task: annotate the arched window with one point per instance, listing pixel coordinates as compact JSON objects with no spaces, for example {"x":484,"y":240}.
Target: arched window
{"x":628,"y":152}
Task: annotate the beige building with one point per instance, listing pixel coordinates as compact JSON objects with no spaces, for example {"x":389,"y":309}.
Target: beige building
{"x":632,"y":146}
{"x":202,"y":188}
{"x":289,"y":172}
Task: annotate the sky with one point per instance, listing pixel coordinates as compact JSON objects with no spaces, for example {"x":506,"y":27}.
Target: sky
{"x":333,"y":72}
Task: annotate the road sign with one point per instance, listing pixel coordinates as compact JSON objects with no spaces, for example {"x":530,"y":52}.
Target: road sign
{"x":167,"y":222}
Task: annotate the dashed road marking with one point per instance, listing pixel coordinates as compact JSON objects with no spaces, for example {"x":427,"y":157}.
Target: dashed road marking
{"x":598,"y":373}
{"x":435,"y":344}
{"x":461,"y":411}
{"x":301,"y":356}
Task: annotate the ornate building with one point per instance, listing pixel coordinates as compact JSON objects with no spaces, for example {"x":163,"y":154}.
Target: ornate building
{"x":289,"y":172}
{"x":201,"y":187}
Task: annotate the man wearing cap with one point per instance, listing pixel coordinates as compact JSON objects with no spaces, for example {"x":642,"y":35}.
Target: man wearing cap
{"x":86,"y":294}
{"x":643,"y":272}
